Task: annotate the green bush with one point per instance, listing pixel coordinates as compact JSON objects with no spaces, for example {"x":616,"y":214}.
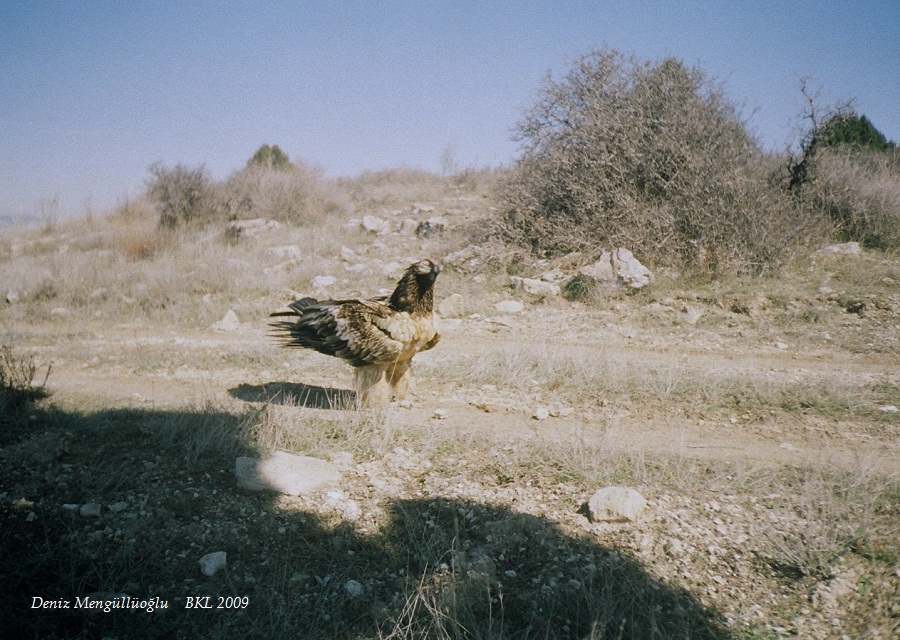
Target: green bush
{"x":853,"y":130}
{"x":652,"y":157}
{"x":271,"y":157}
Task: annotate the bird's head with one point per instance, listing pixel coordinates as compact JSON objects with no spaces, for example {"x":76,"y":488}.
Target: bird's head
{"x":426,"y":269}
{"x":415,"y":289}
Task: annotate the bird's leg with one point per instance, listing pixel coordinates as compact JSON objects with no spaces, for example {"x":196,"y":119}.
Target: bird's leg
{"x":371,"y":387}
{"x":398,"y":378}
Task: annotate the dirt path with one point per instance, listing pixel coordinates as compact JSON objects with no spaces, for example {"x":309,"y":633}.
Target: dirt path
{"x":152,"y":367}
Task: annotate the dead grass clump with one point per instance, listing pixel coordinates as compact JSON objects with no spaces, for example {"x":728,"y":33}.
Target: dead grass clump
{"x":18,"y":386}
{"x":285,"y":425}
{"x":860,"y":192}
{"x":822,"y":514}
{"x":393,"y":188}
{"x":298,"y":194}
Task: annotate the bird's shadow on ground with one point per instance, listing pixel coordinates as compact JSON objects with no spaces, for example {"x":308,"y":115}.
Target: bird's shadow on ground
{"x":296,"y":394}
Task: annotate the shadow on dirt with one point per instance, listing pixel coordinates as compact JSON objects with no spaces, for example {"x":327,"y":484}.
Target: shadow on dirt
{"x":164,"y":495}
{"x":296,"y":393}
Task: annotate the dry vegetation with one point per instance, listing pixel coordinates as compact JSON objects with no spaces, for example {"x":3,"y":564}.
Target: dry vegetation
{"x":753,"y":413}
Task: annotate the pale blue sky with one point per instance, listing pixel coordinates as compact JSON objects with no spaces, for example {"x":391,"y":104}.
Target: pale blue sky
{"x":92,"y":93}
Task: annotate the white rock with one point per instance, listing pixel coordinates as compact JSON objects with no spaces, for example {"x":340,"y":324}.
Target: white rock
{"x":287,"y":473}
{"x":453,"y":306}
{"x":374,"y":224}
{"x":692,"y":315}
{"x":353,"y":588}
{"x":320,"y":282}
{"x":616,"y":504}
{"x":212,"y":563}
{"x":408,"y":226}
{"x":541,"y":413}
{"x":535,"y":287}
{"x":229,"y":322}
{"x":338,"y":500}
{"x":602,"y":270}
{"x":13,"y":296}
{"x":285,"y":251}
{"x":509,"y":306}
{"x":248,"y":227}
{"x":90,"y":510}
{"x":618,"y":267}
{"x":440,"y":414}
{"x":844,"y":249}
{"x":629,"y":271}
{"x":348,"y":255}
{"x":888,"y":408}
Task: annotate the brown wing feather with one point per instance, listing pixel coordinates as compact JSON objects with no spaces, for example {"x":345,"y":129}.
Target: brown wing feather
{"x":365,"y":332}
{"x":360,"y":331}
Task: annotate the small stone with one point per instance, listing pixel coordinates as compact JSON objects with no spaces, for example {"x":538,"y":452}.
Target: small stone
{"x":440,"y":414}
{"x":408,"y":226}
{"x":509,"y":573}
{"x":374,"y":224}
{"x":353,"y":588}
{"x":888,"y":408}
{"x":90,"y":510}
{"x":13,"y":296}
{"x":212,"y":563}
{"x":228,"y":323}
{"x":452,"y":306}
{"x":291,"y":251}
{"x":509,"y":306}
{"x":31,"y":517}
{"x":539,"y":288}
{"x":320,"y":282}
{"x":117,"y":507}
{"x":674,"y":548}
{"x":692,"y":315}
{"x":781,"y":346}
{"x":844,"y":249}
{"x":541,"y":413}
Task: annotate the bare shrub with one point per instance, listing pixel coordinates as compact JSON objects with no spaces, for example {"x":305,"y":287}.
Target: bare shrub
{"x":295,"y":194}
{"x":17,"y":381}
{"x":652,"y":157}
{"x":181,"y":195}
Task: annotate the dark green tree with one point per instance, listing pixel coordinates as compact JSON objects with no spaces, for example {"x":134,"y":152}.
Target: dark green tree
{"x":270,"y":156}
{"x":854,"y":130}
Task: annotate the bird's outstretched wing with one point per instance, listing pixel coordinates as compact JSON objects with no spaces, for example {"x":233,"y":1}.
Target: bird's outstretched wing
{"x":362,"y":332}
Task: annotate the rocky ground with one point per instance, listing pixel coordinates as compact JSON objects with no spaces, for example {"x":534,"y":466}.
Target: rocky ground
{"x":756,"y":422}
